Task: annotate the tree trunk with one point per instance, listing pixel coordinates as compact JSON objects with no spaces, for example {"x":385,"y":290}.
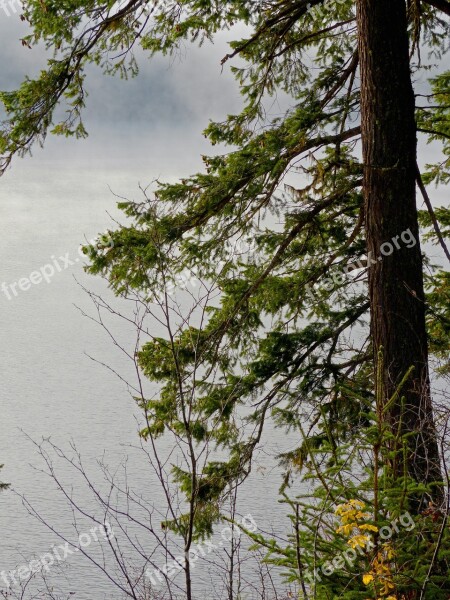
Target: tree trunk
{"x":395,"y":278}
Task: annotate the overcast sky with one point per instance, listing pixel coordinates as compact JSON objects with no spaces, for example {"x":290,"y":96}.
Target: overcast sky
{"x":151,"y":125}
{"x":148,"y":127}
{"x":142,"y":129}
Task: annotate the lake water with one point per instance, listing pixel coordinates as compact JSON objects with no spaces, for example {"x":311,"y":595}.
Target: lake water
{"x":52,"y":389}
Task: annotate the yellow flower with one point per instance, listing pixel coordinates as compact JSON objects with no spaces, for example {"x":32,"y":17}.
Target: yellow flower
{"x":388,"y":586}
{"x":358,"y":541}
{"x":357,"y":503}
{"x":346,"y":529}
{"x":389,"y":551}
{"x":350,"y":506}
{"x":367,"y":579}
{"x":368,"y":527}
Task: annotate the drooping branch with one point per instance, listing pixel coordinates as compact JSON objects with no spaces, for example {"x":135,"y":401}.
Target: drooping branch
{"x":199,"y":219}
{"x":287,"y":17}
{"x":427,"y":201}
{"x":441,"y":5}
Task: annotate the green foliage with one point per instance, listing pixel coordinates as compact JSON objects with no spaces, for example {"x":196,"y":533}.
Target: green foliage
{"x":279,"y":340}
{"x":352,"y":533}
{"x":438,"y":292}
{"x":434,"y":120}
{"x":283,"y":332}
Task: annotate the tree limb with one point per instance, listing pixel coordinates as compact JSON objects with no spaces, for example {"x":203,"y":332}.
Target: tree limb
{"x":432,"y":213}
{"x":442,"y":5}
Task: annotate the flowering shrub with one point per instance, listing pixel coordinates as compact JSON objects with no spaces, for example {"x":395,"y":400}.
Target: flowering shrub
{"x":355,"y":527}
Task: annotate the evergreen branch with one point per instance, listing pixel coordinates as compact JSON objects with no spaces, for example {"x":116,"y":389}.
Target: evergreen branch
{"x":432,"y":213}
{"x":432,"y":132}
{"x":61,"y":76}
{"x":276,"y":260}
{"x":310,"y":36}
{"x":201,"y":218}
{"x":292,"y":13}
{"x":441,"y":5}
{"x":445,"y":519}
{"x":326,"y":140}
{"x":323,"y":338}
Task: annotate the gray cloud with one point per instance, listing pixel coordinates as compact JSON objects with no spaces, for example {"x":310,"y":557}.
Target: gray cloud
{"x":155,"y":119}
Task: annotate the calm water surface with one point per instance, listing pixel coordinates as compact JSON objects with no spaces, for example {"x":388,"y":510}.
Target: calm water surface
{"x":50,"y":388}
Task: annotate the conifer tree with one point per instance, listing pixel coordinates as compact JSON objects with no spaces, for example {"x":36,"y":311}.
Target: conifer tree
{"x":296,"y":333}
{"x":396,"y":288}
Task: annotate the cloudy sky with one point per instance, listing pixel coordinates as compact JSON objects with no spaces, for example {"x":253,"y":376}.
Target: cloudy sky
{"x":151,"y":125}
{"x":143,"y":129}
{"x":147,"y":127}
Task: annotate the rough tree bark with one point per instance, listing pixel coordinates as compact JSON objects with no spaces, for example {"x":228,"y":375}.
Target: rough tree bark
{"x":395,"y":282}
